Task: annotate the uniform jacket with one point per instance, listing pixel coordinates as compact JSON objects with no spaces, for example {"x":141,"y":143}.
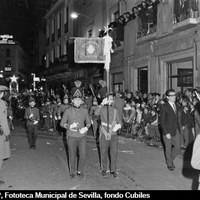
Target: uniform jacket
{"x":168,"y":120}
{"x":75,"y":115}
{"x":61,"y":109}
{"x":102,"y":111}
{"x":36,"y":115}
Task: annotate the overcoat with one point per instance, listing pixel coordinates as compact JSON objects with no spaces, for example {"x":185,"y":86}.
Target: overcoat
{"x":4,"y":145}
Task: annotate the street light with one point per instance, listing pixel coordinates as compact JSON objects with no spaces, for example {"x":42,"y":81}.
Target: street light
{"x":74,"y":15}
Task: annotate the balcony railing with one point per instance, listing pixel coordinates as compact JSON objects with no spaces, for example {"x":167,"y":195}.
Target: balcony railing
{"x":58,"y":66}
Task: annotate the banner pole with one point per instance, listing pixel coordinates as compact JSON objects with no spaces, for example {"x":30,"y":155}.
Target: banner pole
{"x":108,"y":91}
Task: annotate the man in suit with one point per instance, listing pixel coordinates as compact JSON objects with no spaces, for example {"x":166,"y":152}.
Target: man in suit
{"x":169,"y":124}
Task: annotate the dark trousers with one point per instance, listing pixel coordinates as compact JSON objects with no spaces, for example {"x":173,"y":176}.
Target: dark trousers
{"x":172,"y":148}
{"x":32,"y":134}
{"x":105,"y":146}
{"x":73,"y":144}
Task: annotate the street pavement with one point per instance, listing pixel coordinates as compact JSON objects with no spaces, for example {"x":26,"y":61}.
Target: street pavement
{"x":139,"y":166}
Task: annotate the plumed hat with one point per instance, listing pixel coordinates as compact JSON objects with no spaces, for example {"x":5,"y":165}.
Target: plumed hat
{"x":58,"y":100}
{"x":77,"y":91}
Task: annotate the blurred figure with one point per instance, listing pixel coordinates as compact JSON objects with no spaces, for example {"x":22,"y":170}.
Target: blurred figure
{"x":4,"y":130}
{"x":95,"y":119}
{"x":195,"y":161}
{"x":32,"y":117}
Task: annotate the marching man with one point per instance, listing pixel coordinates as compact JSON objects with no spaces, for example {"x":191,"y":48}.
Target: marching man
{"x":76,"y":121}
{"x":32,"y":117}
{"x":108,"y":137}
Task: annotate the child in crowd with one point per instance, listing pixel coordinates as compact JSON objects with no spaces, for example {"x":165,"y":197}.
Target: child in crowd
{"x":153,"y":129}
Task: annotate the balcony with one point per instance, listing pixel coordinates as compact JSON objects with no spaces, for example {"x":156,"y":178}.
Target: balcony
{"x":186,"y":24}
{"x":60,"y":65}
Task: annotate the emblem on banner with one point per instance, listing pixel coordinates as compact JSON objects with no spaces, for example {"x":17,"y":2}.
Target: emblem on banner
{"x":89,"y":50}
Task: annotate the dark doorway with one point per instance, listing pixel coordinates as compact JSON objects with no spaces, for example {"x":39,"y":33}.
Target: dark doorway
{"x":143,"y":79}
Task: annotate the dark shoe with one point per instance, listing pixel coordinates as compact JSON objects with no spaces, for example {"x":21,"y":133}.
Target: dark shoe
{"x":114,"y":174}
{"x":171,"y":168}
{"x":103,"y":173}
{"x":173,"y":165}
{"x":80,"y":175}
{"x":2,"y":182}
{"x":72,"y":176}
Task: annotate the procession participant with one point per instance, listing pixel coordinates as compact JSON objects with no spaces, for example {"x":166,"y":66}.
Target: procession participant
{"x":102,"y":91}
{"x":32,"y":117}
{"x":4,"y":130}
{"x":61,"y":109}
{"x":108,"y":138}
{"x":95,"y":119}
{"x":48,"y":115}
{"x":76,"y":121}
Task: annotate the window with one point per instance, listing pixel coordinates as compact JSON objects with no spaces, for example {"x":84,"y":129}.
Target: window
{"x":52,"y":25}
{"x":185,"y":78}
{"x":184,"y":9}
{"x":66,"y":20}
{"x":90,"y":33}
{"x":7,"y":52}
{"x":115,"y":15}
{"x":8,"y":63}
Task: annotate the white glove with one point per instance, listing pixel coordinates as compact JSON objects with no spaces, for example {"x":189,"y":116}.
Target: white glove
{"x":116,"y":127}
{"x":83,"y":130}
{"x":105,"y":101}
{"x":59,"y":117}
{"x":35,"y":122}
{"x":31,"y":115}
{"x":74,"y":125}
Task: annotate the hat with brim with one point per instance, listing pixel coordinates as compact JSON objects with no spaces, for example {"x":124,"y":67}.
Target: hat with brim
{"x":3,"y":88}
{"x":65,"y":97}
{"x":31,"y":99}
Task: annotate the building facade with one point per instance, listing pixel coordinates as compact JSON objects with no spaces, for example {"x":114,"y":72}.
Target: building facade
{"x":156,"y":43}
{"x":13,"y":61}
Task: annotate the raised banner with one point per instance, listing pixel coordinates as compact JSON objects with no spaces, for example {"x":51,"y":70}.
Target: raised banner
{"x":89,"y":50}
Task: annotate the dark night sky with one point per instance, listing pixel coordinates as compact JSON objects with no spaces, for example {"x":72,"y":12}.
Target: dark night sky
{"x":20,"y":18}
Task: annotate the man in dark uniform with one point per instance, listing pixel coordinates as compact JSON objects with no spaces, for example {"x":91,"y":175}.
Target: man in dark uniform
{"x":170,"y":128}
{"x":76,"y":121}
{"x":108,"y":138}
{"x":32,"y":117}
